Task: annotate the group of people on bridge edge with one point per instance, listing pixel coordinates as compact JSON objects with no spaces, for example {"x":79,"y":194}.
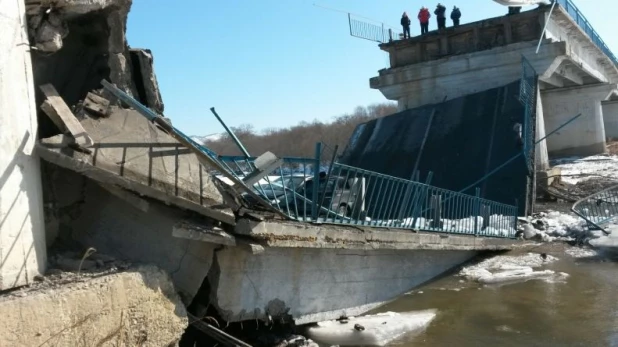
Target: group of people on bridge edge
{"x":423,"y":18}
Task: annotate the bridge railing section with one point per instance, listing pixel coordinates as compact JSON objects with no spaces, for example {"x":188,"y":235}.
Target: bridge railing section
{"x":353,"y":196}
{"x":585,"y":25}
{"x":373,"y":32}
{"x":598,"y":209}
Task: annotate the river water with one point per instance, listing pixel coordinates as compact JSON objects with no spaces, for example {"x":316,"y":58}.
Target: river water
{"x":582,"y":311}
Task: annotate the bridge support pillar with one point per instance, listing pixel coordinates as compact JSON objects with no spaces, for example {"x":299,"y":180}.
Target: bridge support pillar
{"x":610,"y":119}
{"x":586,"y":135}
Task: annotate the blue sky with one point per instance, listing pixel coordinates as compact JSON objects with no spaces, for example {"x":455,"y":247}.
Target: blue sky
{"x":275,"y":63}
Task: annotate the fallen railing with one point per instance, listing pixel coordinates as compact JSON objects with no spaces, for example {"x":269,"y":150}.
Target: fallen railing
{"x":598,"y":209}
{"x":300,"y":189}
{"x":352,"y":196}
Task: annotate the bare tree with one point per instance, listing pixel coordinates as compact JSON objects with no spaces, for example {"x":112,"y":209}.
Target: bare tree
{"x":300,"y":140}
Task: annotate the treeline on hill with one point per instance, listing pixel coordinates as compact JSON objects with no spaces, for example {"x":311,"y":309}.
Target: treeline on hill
{"x":300,"y":140}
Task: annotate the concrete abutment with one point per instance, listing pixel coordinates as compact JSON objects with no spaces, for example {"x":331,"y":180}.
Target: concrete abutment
{"x":610,"y":119}
{"x":586,"y":135}
{"x":22,"y":233}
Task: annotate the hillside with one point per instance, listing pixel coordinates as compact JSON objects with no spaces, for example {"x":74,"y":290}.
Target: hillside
{"x":298,"y":140}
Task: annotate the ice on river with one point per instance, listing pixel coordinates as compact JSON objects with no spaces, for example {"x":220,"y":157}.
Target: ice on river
{"x":574,"y":170}
{"x":372,"y":330}
{"x":504,"y":268}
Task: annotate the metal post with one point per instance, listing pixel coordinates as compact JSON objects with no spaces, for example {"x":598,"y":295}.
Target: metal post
{"x":420,"y":151}
{"x":436,"y":207}
{"x":390,"y":35}
{"x":382,"y":33}
{"x":477,"y":202}
{"x":418,"y":202}
{"x":485,"y":213}
{"x":350,"y":24}
{"x":231,"y":133}
{"x":316,"y":181}
{"x":545,"y":27}
{"x":328,"y":175}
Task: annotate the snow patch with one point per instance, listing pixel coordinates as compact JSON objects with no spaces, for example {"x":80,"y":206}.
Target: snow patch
{"x":553,"y":226}
{"x":499,"y":225}
{"x":203,"y":139}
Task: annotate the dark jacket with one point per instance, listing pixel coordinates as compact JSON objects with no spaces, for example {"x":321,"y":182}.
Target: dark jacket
{"x":440,"y":12}
{"x":456,"y":14}
{"x":405,"y":21}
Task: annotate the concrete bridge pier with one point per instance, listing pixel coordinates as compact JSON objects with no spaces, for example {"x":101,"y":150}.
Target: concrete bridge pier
{"x":22,"y":234}
{"x":586,"y":136}
{"x":610,"y":118}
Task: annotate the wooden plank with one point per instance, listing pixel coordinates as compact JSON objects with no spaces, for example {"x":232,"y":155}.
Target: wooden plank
{"x":62,"y":113}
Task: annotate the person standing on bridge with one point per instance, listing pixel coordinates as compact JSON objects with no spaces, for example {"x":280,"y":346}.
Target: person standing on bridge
{"x":455,"y":16}
{"x":440,"y":13}
{"x":405,"y":23}
{"x":423,"y":18}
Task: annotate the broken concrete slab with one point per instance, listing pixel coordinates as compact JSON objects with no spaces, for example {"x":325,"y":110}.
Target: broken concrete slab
{"x":113,"y":227}
{"x":130,"y":147}
{"x":137,"y":307}
{"x":193,"y":230}
{"x":303,"y":235}
{"x":310,"y":284}
{"x":129,"y":197}
{"x":104,"y":173}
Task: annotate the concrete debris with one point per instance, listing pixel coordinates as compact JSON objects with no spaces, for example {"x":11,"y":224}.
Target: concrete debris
{"x":138,"y":307}
{"x":147,"y":86}
{"x":97,"y":105}
{"x":61,"y":115}
{"x":49,"y":32}
{"x":75,"y":262}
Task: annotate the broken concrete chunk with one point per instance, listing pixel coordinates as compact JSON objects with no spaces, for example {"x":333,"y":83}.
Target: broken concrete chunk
{"x":97,"y":105}
{"x":59,"y":112}
{"x":49,"y":33}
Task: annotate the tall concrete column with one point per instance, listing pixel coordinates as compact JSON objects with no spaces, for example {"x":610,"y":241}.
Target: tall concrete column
{"x":610,"y":119}
{"x":22,"y":234}
{"x":542,"y":158}
{"x":586,"y":135}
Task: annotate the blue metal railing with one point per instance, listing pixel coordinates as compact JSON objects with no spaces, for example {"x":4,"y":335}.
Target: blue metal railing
{"x":598,"y":209}
{"x":372,"y":32}
{"x":353,"y":196}
{"x":585,"y":25}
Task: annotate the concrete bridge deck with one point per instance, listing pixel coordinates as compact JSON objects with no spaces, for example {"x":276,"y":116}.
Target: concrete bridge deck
{"x":574,"y":74}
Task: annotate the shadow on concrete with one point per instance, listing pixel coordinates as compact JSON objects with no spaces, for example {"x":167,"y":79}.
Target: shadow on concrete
{"x":468,"y":138}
